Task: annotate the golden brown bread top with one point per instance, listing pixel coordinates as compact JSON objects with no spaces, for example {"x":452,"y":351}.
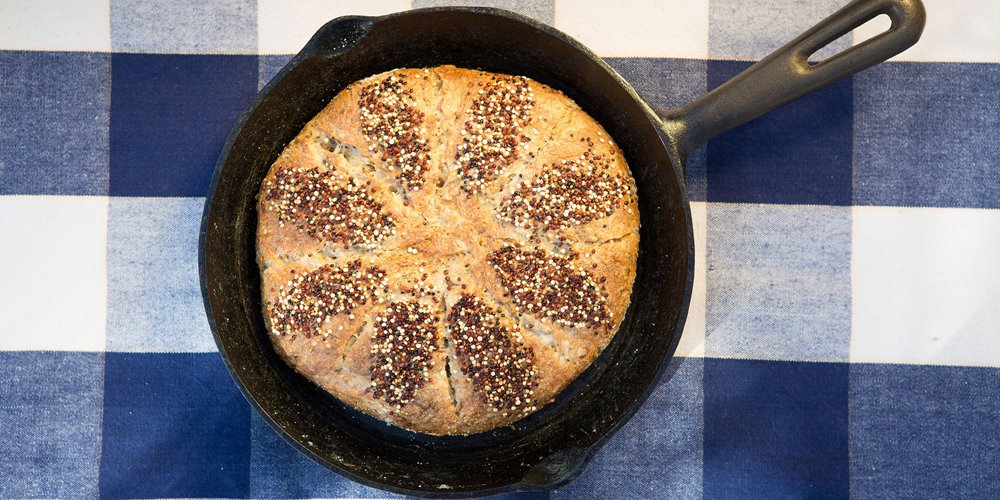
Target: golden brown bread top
{"x":446,"y":249}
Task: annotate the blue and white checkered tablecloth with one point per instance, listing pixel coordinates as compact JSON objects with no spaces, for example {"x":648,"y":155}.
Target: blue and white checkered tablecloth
{"x":844,"y":337}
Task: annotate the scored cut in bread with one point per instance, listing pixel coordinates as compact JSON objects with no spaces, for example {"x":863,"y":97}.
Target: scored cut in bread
{"x":446,"y":249}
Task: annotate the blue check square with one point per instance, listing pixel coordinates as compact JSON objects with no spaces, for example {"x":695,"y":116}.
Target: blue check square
{"x":154,"y":297}
{"x":742,"y":30}
{"x":189,"y":398}
{"x":799,"y":153}
{"x":269,"y":66}
{"x":50,"y":413}
{"x":278,"y":470}
{"x":54,"y":110}
{"x":778,"y":282}
{"x":665,"y":84}
{"x":170,"y":116}
{"x":658,"y":453}
{"x":925,"y":431}
{"x":926,"y":135}
{"x":542,"y":10}
{"x":776,"y":429}
{"x":184,"y":26}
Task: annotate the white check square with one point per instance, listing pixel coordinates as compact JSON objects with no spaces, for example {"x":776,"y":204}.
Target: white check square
{"x":926,"y":286}
{"x":956,"y":31}
{"x":692,"y":342}
{"x":54,"y":292}
{"x":285,"y":27}
{"x":640,"y":28}
{"x":64,"y":25}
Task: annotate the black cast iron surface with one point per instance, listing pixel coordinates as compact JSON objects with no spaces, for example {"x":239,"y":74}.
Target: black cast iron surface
{"x":550,"y":447}
{"x":545,"y":449}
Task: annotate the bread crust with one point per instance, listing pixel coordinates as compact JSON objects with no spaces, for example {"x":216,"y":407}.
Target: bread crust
{"x":527,"y":222}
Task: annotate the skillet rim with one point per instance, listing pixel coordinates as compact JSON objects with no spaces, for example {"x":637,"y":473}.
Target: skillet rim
{"x":668,"y":142}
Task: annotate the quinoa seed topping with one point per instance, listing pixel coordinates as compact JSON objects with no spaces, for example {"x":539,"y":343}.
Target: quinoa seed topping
{"x":494,"y":132}
{"x":395,"y":129}
{"x":404,"y":340}
{"x":569,"y":193}
{"x":308,"y":300}
{"x":327,"y":206}
{"x":551,"y":287}
{"x":501,"y":367}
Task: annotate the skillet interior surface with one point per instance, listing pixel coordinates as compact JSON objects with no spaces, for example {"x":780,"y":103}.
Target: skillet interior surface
{"x":549,"y":447}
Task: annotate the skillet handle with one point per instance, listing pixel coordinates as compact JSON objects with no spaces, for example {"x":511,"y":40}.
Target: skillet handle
{"x":786,"y":74}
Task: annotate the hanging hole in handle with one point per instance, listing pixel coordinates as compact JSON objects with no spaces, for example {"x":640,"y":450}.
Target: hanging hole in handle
{"x":874,"y":27}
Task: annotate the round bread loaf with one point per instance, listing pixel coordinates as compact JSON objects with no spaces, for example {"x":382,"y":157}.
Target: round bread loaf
{"x":446,"y":249}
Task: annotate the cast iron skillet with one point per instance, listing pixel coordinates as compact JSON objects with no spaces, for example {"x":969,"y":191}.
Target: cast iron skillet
{"x":549,"y":448}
